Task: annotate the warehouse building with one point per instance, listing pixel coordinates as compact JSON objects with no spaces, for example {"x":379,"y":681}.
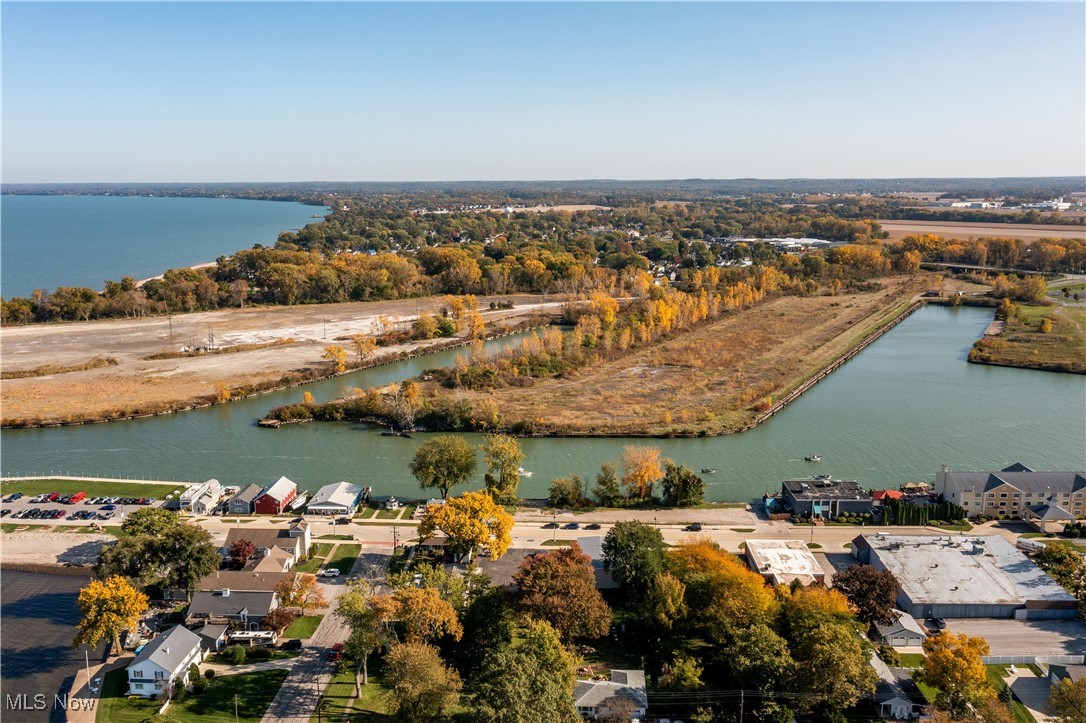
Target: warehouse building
{"x":782,"y":561}
{"x":965,"y":577}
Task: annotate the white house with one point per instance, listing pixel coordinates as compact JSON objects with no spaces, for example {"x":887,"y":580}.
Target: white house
{"x":591,"y":696}
{"x":162,"y":661}
{"x":336,"y":499}
{"x":202,"y":498}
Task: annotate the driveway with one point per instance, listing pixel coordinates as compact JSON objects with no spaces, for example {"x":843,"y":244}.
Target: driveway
{"x":1032,"y":691}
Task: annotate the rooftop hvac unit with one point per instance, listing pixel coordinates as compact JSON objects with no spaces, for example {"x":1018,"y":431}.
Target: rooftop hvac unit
{"x":226,"y":592}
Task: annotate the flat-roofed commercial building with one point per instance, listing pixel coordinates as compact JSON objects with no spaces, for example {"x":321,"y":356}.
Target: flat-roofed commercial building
{"x":824,"y":497}
{"x":960,"y":576}
{"x":782,"y":561}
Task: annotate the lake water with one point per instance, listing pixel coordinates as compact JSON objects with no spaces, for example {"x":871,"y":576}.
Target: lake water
{"x":50,"y":241}
{"x":37,"y":627}
{"x":904,"y":406}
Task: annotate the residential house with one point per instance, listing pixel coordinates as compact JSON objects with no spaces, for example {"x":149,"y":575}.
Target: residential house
{"x":896,"y":695}
{"x":201,"y":499}
{"x":903,"y":632}
{"x":230,"y":607}
{"x":295,"y":539}
{"x":248,"y":581}
{"x":242,"y":502}
{"x":269,"y":559}
{"x":212,"y":637}
{"x":341,"y":498}
{"x":276,"y":499}
{"x":1008,"y":492}
{"x":162,"y":661}
{"x":591,"y":696}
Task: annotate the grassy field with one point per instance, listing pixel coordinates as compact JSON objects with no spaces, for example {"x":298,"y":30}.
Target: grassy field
{"x":303,"y":627}
{"x":707,"y":380}
{"x":93,"y":489}
{"x":1023,"y":344}
{"x":254,"y":693}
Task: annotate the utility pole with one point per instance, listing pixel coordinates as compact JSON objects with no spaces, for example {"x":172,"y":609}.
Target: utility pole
{"x":235,"y":708}
{"x":325,"y":319}
{"x":740,"y":706}
{"x":169,"y":318}
{"x":554,"y":529}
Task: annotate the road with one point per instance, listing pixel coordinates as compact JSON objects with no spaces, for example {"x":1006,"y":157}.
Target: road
{"x":297,"y":699}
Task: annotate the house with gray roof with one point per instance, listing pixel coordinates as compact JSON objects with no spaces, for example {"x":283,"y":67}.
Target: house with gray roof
{"x":1011,"y":490}
{"x":242,"y":502}
{"x":903,"y":632}
{"x":1047,"y":516}
{"x":227,"y":606}
{"x":591,"y":696}
{"x":162,"y":661}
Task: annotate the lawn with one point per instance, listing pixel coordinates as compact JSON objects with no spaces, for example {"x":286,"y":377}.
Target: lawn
{"x":114,"y":707}
{"x":252,"y":691}
{"x":388,"y":514}
{"x":321,"y":549}
{"x":911,"y":660}
{"x":556,"y":543}
{"x":343,"y":558}
{"x":93,"y":489}
{"x":303,"y":627}
{"x":741,"y":529}
{"x":312,"y":565}
{"x":335,"y":537}
{"x":366,"y":513}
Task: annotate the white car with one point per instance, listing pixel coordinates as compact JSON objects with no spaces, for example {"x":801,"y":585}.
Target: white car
{"x":330,"y":572}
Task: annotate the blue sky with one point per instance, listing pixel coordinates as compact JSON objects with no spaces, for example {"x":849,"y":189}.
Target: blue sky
{"x":159,"y":92}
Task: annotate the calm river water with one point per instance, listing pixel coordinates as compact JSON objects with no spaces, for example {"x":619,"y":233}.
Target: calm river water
{"x":904,"y":406}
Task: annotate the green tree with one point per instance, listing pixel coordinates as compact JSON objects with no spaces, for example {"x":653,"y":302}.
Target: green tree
{"x":529,"y":680}
{"x":152,"y":521}
{"x":443,"y":462}
{"x":1067,"y":700}
{"x":634,"y":553}
{"x":186,"y":554}
{"x":566,"y":492}
{"x":560,"y":588}
{"x":423,"y":688}
{"x":665,"y":603}
{"x":682,"y":486}
{"x":835,"y":666}
{"x":760,"y":659}
{"x":873,"y":592}
{"x":107,"y":607}
{"x":682,"y":673}
{"x":607,"y":489}
{"x":368,"y":617}
{"x":503,"y":457}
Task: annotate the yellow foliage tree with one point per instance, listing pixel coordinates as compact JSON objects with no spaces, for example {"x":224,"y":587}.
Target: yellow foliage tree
{"x":364,"y":346}
{"x":337,"y":355}
{"x":222,"y":392}
{"x":302,"y":591}
{"x":641,"y":469}
{"x":471,"y":521}
{"x":425,"y":615}
{"x":476,"y":325}
{"x":108,"y":607}
{"x":953,"y":665}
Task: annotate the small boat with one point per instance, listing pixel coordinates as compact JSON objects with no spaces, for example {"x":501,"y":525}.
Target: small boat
{"x":708,"y":470}
{"x":523,"y":472}
{"x":813,"y":458}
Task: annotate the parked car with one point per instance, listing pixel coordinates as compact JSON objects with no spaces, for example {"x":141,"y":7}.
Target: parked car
{"x":695,"y":527}
{"x":294,"y":644}
{"x":5,"y":512}
{"x":572,"y":526}
{"x":343,"y":521}
{"x":337,"y":652}
{"x":105,"y":515}
{"x":592,"y":526}
{"x":109,"y":507}
{"x":330,"y":572}
{"x":939,"y":623}
{"x":16,"y":496}
{"x":550,"y":526}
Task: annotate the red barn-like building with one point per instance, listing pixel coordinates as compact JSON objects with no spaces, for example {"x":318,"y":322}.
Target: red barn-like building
{"x":276,"y":498}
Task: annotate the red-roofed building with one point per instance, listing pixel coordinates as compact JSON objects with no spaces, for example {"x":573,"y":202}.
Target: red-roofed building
{"x":882,"y":495}
{"x":276,"y":499}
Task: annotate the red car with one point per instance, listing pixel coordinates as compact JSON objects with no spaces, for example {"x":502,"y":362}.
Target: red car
{"x":337,"y":652}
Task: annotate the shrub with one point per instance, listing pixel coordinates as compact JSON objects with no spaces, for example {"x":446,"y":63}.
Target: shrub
{"x":209,"y":673}
{"x":235,"y":654}
{"x":889,"y":655}
{"x":200,"y":685}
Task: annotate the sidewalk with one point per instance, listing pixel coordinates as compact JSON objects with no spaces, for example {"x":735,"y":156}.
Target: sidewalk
{"x":97,"y":677}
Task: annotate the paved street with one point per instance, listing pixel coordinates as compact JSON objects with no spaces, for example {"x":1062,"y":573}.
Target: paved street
{"x":297,"y":699}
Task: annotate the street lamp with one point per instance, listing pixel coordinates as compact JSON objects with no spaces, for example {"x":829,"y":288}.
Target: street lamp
{"x":554,"y":526}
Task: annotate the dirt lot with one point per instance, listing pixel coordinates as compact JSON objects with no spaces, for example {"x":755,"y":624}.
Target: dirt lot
{"x":138,"y":383}
{"x":707,"y":379}
{"x":963,"y":230}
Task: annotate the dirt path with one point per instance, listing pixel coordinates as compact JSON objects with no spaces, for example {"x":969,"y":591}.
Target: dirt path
{"x":137,"y":383}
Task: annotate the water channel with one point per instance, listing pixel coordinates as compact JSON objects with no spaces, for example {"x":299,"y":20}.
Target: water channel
{"x":904,"y":406}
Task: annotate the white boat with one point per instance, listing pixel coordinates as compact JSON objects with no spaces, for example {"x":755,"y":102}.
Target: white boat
{"x":813,"y":458}
{"x":523,"y":472}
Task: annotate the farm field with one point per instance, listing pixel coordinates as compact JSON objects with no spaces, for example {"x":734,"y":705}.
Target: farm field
{"x":899,"y":229}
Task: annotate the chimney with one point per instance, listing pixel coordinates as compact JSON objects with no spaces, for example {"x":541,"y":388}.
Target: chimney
{"x":226,"y":592}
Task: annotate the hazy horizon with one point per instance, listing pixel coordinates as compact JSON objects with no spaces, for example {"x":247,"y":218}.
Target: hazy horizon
{"x":417,"y":92}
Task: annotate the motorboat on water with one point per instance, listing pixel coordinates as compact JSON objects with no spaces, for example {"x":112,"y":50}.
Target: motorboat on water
{"x":813,"y":458}
{"x":523,"y":472}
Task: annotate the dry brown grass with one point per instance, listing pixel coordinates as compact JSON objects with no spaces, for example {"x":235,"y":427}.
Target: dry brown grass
{"x":899,"y":229}
{"x":708,"y":380}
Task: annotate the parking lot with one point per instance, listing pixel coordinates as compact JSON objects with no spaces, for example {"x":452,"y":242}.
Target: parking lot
{"x":38,"y":509}
{"x":1025,"y":637}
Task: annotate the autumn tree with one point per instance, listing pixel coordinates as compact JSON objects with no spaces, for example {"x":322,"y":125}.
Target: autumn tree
{"x":634,"y":553}
{"x":423,"y":688}
{"x":476,"y":325}
{"x":872,"y":591}
{"x":368,"y":618}
{"x":424,"y":327}
{"x":336,"y":356}
{"x":364,"y":346}
{"x":240,"y":552}
{"x":406,"y":404}
{"x":425,"y":615}
{"x":470,"y":522}
{"x":504,"y":458}
{"x":954,"y":666}
{"x":560,"y":588}
{"x":722,"y":594}
{"x":530,"y":679}
{"x":682,"y":487}
{"x":454,"y":588}
{"x":278,"y":620}
{"x":640,"y":470}
{"x":1067,"y":700}
{"x":106,"y":608}
{"x":300,"y":591}
{"x":443,"y":462}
